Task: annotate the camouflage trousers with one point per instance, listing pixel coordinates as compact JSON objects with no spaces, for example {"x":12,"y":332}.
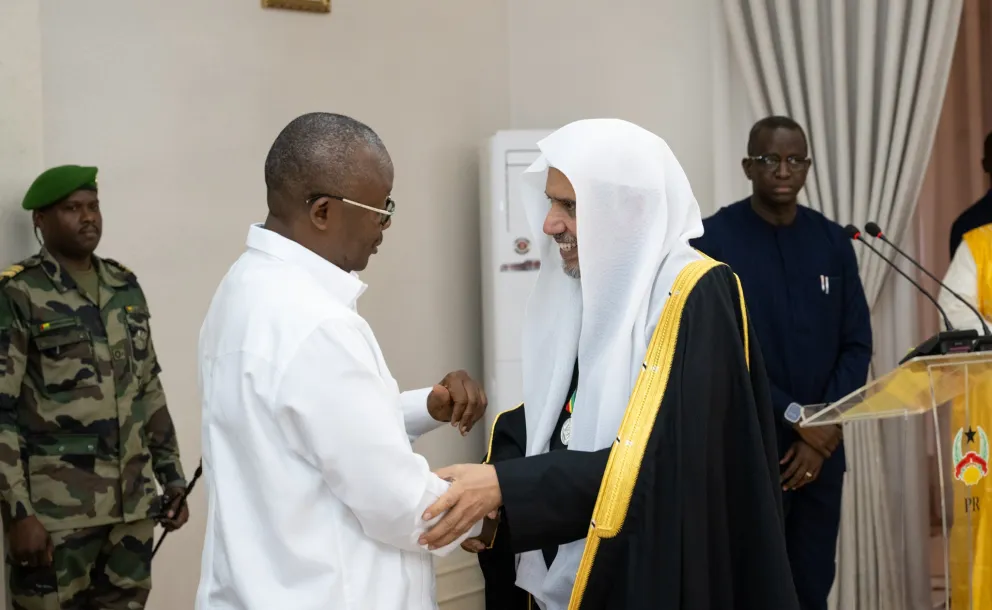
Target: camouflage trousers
{"x":96,"y":568}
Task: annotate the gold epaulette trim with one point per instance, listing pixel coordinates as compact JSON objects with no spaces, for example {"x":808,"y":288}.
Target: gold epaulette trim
{"x":489,"y":457}
{"x":747,"y":333}
{"x":11,"y":271}
{"x":624,"y":464}
{"x":492,"y":431}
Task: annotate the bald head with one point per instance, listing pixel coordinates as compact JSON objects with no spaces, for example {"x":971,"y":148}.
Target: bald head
{"x":322,"y":153}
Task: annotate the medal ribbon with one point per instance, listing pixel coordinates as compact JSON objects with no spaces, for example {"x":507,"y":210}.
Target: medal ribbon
{"x":571,"y":401}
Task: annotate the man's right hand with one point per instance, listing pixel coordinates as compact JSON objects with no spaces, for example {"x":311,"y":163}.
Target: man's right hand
{"x":824,"y":439}
{"x":30,"y":543}
{"x":473,"y":494}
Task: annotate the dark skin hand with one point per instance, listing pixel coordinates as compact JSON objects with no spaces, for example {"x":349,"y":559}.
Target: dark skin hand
{"x":30,"y":543}
{"x":458,"y":399}
{"x":178,"y":512}
{"x":824,"y":439}
{"x":801,"y":459}
{"x":485,"y":539}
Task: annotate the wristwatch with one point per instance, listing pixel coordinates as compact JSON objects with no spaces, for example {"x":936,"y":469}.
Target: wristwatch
{"x":793,"y":413}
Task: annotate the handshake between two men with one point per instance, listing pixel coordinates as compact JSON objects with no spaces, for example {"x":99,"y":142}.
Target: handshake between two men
{"x":474,"y":493}
{"x":475,"y":488}
{"x":348,"y":528}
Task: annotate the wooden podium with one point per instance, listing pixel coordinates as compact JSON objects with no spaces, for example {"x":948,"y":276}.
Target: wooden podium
{"x":925,"y":384}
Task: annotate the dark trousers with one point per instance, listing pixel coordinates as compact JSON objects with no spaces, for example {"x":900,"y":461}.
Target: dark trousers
{"x":96,"y":568}
{"x":812,"y":522}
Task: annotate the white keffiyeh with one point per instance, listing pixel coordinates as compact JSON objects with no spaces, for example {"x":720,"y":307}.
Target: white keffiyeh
{"x":635,"y":214}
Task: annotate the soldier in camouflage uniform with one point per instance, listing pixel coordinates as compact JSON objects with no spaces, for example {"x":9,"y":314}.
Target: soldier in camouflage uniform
{"x":84,"y":428}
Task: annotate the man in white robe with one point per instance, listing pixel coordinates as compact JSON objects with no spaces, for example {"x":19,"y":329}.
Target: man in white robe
{"x":315,"y":495}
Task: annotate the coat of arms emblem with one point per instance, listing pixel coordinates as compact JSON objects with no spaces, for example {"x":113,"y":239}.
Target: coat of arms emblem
{"x":971,"y":466}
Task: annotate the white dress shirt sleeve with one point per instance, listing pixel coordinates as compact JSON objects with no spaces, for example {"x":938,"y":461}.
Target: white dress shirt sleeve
{"x":340,"y":415}
{"x":415,"y":415}
{"x":962,"y":278}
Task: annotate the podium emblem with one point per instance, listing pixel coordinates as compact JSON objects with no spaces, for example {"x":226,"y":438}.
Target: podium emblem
{"x":971,"y":464}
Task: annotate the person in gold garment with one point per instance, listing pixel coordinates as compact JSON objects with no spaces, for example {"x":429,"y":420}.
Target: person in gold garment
{"x":970,"y":275}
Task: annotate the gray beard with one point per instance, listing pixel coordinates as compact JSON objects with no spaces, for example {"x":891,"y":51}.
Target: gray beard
{"x":572,"y":272}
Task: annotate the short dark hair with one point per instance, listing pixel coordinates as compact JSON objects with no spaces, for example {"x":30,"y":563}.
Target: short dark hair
{"x":771,"y":123}
{"x":320,"y":145}
{"x":988,"y":147}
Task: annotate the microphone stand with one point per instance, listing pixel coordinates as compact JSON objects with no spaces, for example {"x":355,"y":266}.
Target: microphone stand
{"x":945,"y":342}
{"x":875,"y":231}
{"x":189,"y":488}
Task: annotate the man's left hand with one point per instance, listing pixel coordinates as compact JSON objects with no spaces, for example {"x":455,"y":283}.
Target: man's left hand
{"x":474,"y":493}
{"x":458,"y":399}
{"x":177,"y":513}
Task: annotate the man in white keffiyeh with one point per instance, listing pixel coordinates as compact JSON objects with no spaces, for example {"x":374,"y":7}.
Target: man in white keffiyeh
{"x":643,"y":388}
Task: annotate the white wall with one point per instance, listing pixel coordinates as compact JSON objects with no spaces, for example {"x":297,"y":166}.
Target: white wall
{"x":20,"y":122}
{"x":20,"y":130}
{"x":641,"y":60}
{"x":178,"y":102}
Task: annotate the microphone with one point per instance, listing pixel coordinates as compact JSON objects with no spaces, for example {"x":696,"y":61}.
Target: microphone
{"x":853,"y":232}
{"x":876,"y":231}
{"x":942,"y":342}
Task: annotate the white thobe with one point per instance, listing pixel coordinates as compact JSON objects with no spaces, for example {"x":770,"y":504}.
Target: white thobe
{"x":315,"y":495}
{"x":962,"y":278}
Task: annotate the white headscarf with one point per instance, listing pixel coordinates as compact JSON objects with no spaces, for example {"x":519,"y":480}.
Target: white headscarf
{"x":635,"y":213}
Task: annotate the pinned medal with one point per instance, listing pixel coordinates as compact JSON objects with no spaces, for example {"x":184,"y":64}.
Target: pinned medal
{"x":566,"y":428}
{"x":566,"y":432}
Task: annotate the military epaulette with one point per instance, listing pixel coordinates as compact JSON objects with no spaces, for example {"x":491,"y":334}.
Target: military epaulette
{"x":121,"y":272}
{"x":119,"y":267}
{"x":18,"y":268}
{"x":10,"y":272}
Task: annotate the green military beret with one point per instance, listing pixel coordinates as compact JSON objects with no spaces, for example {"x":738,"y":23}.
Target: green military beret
{"x":56,"y":184}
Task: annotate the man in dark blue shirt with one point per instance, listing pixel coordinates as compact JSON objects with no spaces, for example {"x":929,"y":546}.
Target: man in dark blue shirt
{"x":980,"y":214}
{"x":808,"y":307}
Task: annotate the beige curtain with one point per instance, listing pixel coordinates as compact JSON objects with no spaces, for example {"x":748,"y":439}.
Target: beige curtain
{"x":866,"y":78}
{"x":954,"y":180}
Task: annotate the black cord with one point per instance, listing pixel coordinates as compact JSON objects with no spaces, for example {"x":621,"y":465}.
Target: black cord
{"x":189,"y":488}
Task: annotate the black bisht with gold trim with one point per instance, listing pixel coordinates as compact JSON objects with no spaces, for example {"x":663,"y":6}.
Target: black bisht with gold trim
{"x":689,"y":510}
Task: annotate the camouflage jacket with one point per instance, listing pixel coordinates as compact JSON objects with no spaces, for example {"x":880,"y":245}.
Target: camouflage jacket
{"x":84,"y":428}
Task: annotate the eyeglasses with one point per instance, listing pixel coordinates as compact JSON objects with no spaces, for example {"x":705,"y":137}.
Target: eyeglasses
{"x":386,"y":212}
{"x":771,"y":162}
